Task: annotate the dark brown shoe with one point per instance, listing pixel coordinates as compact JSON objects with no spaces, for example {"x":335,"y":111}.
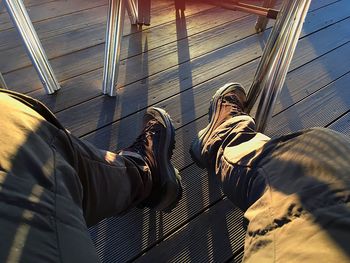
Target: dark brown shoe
{"x":227,"y":102}
{"x":155,"y":144}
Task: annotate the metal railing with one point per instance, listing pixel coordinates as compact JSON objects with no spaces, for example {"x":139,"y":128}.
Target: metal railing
{"x":264,"y":12}
{"x":139,"y":13}
{"x":35,"y":51}
{"x":276,"y":59}
{"x":114,"y":34}
{"x":2,"y":82}
{"x":262,"y":21}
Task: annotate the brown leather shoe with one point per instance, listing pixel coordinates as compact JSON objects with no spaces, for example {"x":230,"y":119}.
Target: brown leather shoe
{"x":227,"y":102}
{"x":155,"y":144}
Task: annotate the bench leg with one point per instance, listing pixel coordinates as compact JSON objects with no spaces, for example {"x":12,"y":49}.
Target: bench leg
{"x":114,"y":34}
{"x":144,"y":12}
{"x":262,"y":21}
{"x":36,"y":53}
{"x":276,"y":58}
{"x":132,"y":11}
{"x":2,"y":82}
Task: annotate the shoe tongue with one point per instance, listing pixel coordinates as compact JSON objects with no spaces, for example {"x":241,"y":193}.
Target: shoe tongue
{"x":153,"y":118}
{"x":151,"y":125}
{"x":233,"y":99}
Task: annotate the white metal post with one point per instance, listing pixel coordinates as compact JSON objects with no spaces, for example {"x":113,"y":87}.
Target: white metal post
{"x":276,"y":58}
{"x":114,"y":33}
{"x":2,"y":82}
{"x":35,"y":51}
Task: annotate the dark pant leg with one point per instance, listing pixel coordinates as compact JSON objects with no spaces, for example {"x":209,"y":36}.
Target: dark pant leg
{"x":50,"y":182}
{"x":112,"y":183}
{"x":295,"y":191}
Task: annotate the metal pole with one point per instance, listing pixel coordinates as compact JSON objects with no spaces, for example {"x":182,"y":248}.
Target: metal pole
{"x":276,"y":59}
{"x":2,"y":82}
{"x":35,"y":51}
{"x":252,"y":9}
{"x":114,"y":34}
{"x":262,"y":21}
{"x":132,"y":11}
{"x":281,"y":22}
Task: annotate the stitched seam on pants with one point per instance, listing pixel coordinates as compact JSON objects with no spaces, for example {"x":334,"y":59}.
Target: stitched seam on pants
{"x":237,"y":164}
{"x":270,"y":209}
{"x":102,"y":163}
{"x":53,"y":149}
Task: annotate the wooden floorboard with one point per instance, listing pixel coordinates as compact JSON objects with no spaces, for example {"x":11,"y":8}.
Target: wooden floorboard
{"x":184,"y":102}
{"x":144,"y":229}
{"x":27,"y":3}
{"x":52,"y":10}
{"x":89,"y":34}
{"x":319,"y":109}
{"x":217,"y":232}
{"x":170,"y":82}
{"x":90,"y":59}
{"x":56,"y":27}
{"x":311,"y":77}
{"x":177,"y":64}
{"x":342,"y":124}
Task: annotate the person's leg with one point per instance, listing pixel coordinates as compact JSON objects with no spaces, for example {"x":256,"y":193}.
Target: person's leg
{"x":51,"y":181}
{"x":40,"y":195}
{"x":294,"y":189}
{"x":229,"y":136}
{"x":140,"y":175}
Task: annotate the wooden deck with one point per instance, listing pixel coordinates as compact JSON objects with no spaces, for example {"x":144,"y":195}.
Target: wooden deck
{"x":177,"y":65}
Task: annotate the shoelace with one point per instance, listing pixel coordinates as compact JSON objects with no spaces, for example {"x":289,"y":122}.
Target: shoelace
{"x":151,"y":128}
{"x":232,"y":99}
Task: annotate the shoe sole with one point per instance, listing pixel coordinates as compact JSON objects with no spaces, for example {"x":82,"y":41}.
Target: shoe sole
{"x":196,"y":145}
{"x":172,"y":178}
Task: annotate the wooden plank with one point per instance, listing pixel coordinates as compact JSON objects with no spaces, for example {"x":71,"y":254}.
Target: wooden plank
{"x":198,"y":45}
{"x":51,"y":10}
{"x":55,"y":46}
{"x":62,"y":24}
{"x":87,"y":60}
{"x":317,"y":110}
{"x":327,"y":68}
{"x":147,"y":92}
{"x":143,"y":228}
{"x":214,"y":236}
{"x":58,"y":8}
{"x":56,"y":26}
{"x":27,"y":3}
{"x":238,"y":258}
{"x":93,"y":35}
{"x":342,"y":125}
{"x":90,"y":59}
